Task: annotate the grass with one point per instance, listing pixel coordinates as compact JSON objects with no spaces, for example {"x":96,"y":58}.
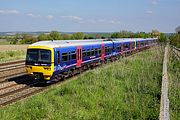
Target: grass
{"x":4,"y":42}
{"x":11,"y":55}
{"x":12,"y":52}
{"x":127,"y":89}
{"x":174,"y":87}
{"x":13,"y":47}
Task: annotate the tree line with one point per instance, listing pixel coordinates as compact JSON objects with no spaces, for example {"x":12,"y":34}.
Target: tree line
{"x":55,"y":35}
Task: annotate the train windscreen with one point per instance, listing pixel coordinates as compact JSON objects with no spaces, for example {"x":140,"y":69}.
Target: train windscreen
{"x":38,"y":56}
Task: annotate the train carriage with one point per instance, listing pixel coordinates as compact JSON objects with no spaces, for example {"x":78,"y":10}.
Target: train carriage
{"x":47,"y":59}
{"x":54,"y":60}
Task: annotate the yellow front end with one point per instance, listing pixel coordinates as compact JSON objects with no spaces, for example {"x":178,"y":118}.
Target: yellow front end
{"x":45,"y":71}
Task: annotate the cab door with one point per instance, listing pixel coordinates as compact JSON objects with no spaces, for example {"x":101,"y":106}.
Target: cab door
{"x":79,"y":56}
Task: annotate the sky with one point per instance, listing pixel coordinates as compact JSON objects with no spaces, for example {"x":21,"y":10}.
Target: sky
{"x":89,"y":15}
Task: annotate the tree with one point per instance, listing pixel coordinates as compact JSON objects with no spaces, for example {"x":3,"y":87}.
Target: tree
{"x":126,"y":34}
{"x":28,"y":39}
{"x":66,"y":37}
{"x":175,"y":40}
{"x":98,"y":36}
{"x":162,"y":38}
{"x":78,"y":35}
{"x":116,"y":35}
{"x":90,"y":37}
{"x":155,"y":33}
{"x":42,"y":37}
{"x":14,"y":39}
{"x":54,"y":35}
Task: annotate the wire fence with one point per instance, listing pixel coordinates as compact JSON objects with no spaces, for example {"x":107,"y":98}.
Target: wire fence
{"x":176,"y":51}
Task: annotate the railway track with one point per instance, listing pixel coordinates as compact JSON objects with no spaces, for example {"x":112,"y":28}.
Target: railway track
{"x":18,"y":88}
{"x":11,"y":69}
{"x":13,"y":62}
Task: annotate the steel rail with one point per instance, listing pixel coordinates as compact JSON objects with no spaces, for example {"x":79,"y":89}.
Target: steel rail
{"x":13,"y":62}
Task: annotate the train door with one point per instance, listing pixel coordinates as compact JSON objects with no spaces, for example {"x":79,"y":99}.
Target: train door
{"x":122,"y":48}
{"x":102,"y":51}
{"x":79,"y":56}
{"x":130,"y":46}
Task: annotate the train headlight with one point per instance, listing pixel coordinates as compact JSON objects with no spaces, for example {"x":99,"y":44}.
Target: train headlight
{"x":47,"y":68}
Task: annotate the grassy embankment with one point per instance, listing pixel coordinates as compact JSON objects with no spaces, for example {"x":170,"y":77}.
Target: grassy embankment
{"x":174,"y":87}
{"x":129,"y":89}
{"x":12,"y":52}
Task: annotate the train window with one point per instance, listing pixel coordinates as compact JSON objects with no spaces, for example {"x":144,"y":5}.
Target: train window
{"x":88,"y":52}
{"x":84,"y":53}
{"x":149,"y":42}
{"x":99,"y":51}
{"x":109,"y":49}
{"x":38,"y":55}
{"x":133,"y":45}
{"x":106,"y":49}
{"x":58,"y":57}
{"x":118,"y":48}
{"x":44,"y":55}
{"x":126,"y":46}
{"x":64,"y":57}
{"x":142,"y":43}
{"x":92,"y":52}
{"x":73,"y":55}
{"x":96,"y":51}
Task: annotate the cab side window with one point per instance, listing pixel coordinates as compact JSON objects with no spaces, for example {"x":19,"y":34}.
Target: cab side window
{"x":58,"y":57}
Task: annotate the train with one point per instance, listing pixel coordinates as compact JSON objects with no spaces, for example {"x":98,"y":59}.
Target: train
{"x":54,"y":60}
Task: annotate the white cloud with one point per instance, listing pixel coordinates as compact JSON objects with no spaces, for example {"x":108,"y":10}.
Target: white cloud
{"x":149,"y":12}
{"x":32,"y":15}
{"x":77,"y":18}
{"x":115,"y":22}
{"x":9,"y":12}
{"x":104,"y":21}
{"x":50,"y":16}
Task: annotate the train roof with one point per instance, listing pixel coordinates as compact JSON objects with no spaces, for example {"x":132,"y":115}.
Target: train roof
{"x":67,"y":43}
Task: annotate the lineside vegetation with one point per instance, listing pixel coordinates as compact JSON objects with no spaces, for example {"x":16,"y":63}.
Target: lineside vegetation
{"x":6,"y":56}
{"x":174,"y":85}
{"x":12,"y":52}
{"x":127,"y":89}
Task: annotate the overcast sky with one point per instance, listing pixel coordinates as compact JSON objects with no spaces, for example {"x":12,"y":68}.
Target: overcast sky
{"x":89,"y":15}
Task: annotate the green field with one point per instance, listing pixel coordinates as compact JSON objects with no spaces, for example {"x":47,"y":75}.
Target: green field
{"x":6,"y":56}
{"x":126,"y":89}
{"x":4,"y":42}
{"x":12,"y":52}
{"x":174,"y":87}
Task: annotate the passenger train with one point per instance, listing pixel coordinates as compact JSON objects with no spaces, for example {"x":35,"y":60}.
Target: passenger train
{"x":57,"y":59}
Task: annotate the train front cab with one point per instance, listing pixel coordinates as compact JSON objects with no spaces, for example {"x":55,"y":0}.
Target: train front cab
{"x":40,"y":62}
